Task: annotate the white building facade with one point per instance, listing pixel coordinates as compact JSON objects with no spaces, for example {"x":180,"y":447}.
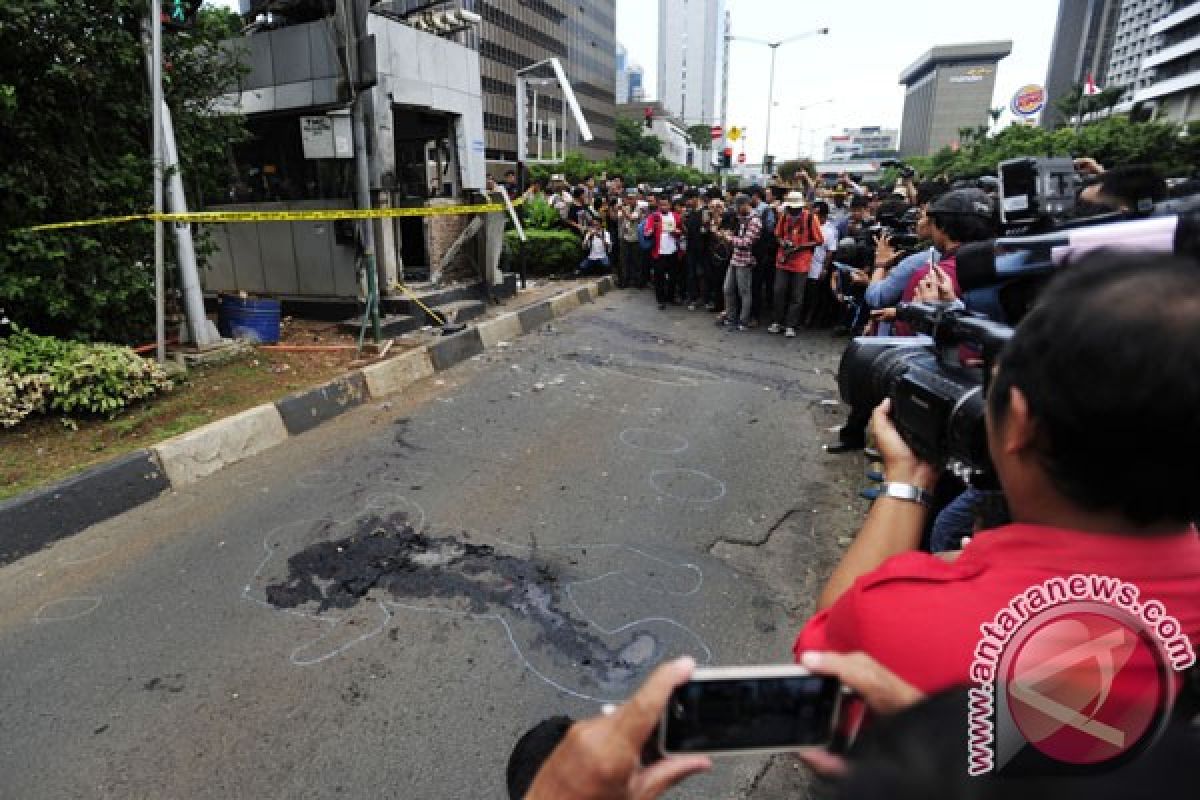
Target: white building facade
{"x":855,"y":142}
{"x":1171,"y":76}
{"x":691,"y":39}
{"x":1136,"y":38}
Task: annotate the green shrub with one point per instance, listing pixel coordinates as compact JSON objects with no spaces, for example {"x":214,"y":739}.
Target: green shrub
{"x":548,"y":252}
{"x":40,"y":374}
{"x":541,"y":216}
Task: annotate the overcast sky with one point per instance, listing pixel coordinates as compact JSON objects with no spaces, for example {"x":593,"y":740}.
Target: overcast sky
{"x":856,"y":65}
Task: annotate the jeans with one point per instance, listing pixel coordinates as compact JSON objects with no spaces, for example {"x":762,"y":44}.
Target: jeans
{"x":739,"y":282}
{"x":789,"y":295}
{"x":629,"y":265}
{"x":666,"y":275}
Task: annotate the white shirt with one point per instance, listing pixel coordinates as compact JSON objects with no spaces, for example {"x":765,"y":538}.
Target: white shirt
{"x":600,"y":243}
{"x":666,"y":238}
{"x":821,"y":254}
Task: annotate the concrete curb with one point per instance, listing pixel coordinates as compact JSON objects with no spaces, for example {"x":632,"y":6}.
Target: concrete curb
{"x":450,"y":350}
{"x":38,"y":518}
{"x":33,"y":520}
{"x":306,"y":410}
{"x":197,"y":454}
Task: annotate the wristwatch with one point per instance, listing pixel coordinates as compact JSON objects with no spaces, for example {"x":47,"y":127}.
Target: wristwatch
{"x":906,"y":491}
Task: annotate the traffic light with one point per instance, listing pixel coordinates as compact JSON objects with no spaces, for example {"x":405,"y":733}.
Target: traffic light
{"x":727,"y":158}
{"x":180,"y":15}
{"x":648,"y":116}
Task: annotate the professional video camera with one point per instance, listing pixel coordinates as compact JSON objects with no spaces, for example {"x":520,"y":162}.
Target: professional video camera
{"x":1036,"y":190}
{"x":899,"y":226}
{"x":938,"y":401}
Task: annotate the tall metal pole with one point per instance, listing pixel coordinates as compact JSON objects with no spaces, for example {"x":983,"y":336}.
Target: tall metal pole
{"x":362,"y":181}
{"x":770,"y":102}
{"x":156,"y":101}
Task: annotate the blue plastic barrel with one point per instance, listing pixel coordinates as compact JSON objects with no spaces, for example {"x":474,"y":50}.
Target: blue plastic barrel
{"x":253,"y":318}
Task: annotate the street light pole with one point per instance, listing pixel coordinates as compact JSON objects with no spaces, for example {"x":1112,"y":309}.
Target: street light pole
{"x":770,"y":102}
{"x":771,"y":83}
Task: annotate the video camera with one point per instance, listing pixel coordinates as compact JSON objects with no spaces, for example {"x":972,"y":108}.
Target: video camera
{"x":1033,"y":190}
{"x":938,"y":401}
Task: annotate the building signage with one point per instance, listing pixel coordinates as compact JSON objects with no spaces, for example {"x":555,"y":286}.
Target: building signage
{"x":326,"y":137}
{"x":972,"y":75}
{"x":1028,"y":100}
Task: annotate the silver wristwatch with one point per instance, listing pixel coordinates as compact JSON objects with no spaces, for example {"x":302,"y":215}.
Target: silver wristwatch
{"x":906,"y":491}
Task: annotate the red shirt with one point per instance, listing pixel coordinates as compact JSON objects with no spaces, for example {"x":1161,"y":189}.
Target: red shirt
{"x":920,"y":616}
{"x":803,"y":229}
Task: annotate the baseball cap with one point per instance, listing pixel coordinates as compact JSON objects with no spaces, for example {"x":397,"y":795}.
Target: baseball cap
{"x":963,"y":201}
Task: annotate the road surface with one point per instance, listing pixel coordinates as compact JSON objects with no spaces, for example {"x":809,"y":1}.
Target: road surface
{"x":380,"y":607}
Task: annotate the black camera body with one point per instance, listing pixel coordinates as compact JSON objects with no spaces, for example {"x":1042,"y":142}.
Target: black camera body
{"x":938,"y":402}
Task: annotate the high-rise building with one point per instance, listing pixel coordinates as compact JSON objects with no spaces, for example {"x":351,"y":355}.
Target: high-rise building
{"x":517,"y":33}
{"x":1083,"y":37}
{"x":691,"y":35}
{"x":636,"y":87}
{"x":1171,"y":76}
{"x":629,"y":78}
{"x":947,"y":89}
{"x":1134,"y":40}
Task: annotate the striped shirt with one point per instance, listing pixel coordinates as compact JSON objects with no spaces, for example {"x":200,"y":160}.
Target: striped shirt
{"x":744,"y":240}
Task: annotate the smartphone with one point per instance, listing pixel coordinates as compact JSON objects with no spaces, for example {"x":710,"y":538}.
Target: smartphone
{"x":733,"y":710}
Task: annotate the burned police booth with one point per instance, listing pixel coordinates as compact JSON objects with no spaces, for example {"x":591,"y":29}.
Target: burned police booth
{"x":307,"y":62}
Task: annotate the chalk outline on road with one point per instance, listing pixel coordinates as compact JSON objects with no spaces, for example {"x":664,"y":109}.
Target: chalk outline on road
{"x":613,"y":363}
{"x":93,"y":602}
{"x":379,"y":502}
{"x":720,"y":484}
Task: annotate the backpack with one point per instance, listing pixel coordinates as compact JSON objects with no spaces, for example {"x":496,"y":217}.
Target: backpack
{"x":644,"y":241}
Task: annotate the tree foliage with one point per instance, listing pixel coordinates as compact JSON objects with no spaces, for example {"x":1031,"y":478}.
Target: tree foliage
{"x":1111,"y":141}
{"x":638,"y":159}
{"x":788,"y":170}
{"x":700,"y":136}
{"x":75,"y":133}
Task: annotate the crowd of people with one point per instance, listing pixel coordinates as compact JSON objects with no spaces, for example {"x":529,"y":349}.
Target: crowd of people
{"x":1091,"y":431}
{"x":760,"y":257}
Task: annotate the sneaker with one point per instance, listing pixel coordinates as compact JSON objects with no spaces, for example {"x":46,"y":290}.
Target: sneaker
{"x":691,"y":306}
{"x":743,"y":327}
{"x":722,"y":320}
{"x":790,"y":333}
{"x":774,"y":328}
{"x":710,"y":306}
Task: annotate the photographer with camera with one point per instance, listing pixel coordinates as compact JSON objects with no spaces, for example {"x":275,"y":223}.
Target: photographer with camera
{"x":1092,"y":432}
{"x":798,"y":234}
{"x":952,"y":220}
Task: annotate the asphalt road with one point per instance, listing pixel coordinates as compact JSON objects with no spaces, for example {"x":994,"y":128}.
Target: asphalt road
{"x":380,"y":607}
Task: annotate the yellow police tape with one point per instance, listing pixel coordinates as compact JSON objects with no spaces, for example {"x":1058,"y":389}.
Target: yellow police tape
{"x":322,"y":215}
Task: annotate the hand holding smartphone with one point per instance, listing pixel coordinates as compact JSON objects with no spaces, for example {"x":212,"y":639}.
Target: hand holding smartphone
{"x":734,"y":710}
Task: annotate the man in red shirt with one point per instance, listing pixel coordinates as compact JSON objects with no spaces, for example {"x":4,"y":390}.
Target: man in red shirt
{"x":1093,"y":428}
{"x":799,"y":234}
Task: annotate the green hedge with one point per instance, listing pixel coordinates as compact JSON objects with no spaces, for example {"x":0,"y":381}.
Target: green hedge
{"x":41,"y":374}
{"x":549,"y":252}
